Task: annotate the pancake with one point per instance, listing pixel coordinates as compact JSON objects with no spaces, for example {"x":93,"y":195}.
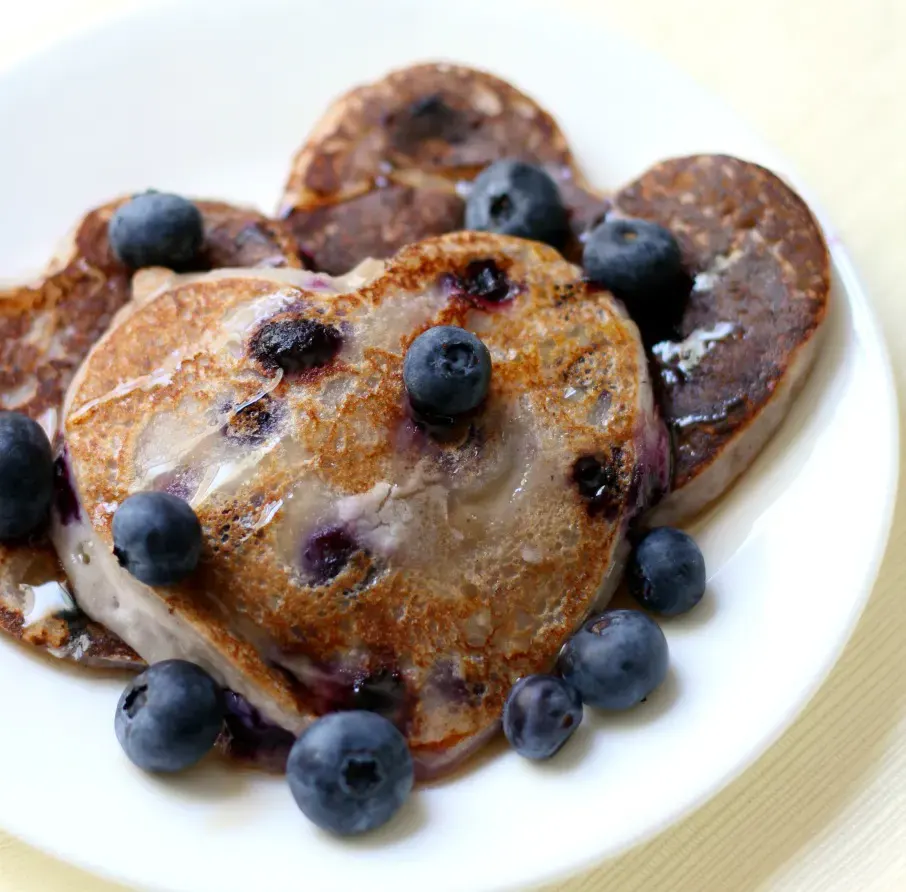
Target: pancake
{"x":46,"y":330}
{"x":752,"y":327}
{"x":390,"y":162}
{"x":353,"y":555}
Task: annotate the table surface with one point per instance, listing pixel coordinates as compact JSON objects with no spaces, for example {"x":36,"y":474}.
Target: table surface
{"x":824,"y":80}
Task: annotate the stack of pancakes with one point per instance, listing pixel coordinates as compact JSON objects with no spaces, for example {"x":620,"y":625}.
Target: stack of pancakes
{"x":468,"y":559}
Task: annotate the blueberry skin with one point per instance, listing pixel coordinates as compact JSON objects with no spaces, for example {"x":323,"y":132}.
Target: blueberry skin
{"x":169,"y":717}
{"x":26,"y":475}
{"x":666,"y":573}
{"x":447,"y":371}
{"x":514,"y":198}
{"x":616,"y":659}
{"x":156,"y":537}
{"x":156,"y":229}
{"x":350,"y":772}
{"x":636,"y":260}
{"x":541,"y":713}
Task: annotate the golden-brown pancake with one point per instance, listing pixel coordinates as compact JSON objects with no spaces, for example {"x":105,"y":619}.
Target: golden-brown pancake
{"x":751,"y":329}
{"x":353,"y":555}
{"x":390,"y":162}
{"x":46,"y":329}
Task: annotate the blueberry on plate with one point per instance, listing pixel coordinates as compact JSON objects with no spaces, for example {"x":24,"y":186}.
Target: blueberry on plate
{"x":169,"y":717}
{"x":157,"y":229}
{"x":514,"y":198}
{"x":616,"y":659}
{"x":447,"y":371}
{"x":350,"y":772}
{"x":26,"y":475}
{"x":638,"y":261}
{"x":156,"y":537}
{"x":541,"y":713}
{"x":666,"y":573}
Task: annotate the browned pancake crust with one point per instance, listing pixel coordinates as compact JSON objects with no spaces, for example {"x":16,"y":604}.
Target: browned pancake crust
{"x":389,"y":163}
{"x":556,"y":337}
{"x":46,"y":330}
{"x":761,"y":264}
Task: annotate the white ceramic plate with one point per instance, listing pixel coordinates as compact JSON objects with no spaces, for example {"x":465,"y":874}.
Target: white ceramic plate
{"x":212,"y":98}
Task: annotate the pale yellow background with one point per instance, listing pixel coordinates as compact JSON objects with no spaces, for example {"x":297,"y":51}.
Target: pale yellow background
{"x":825,"y":80}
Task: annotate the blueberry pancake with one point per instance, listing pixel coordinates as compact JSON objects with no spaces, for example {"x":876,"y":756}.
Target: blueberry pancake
{"x":748,"y":335}
{"x":390,"y":162}
{"x":360,"y":547}
{"x":46,"y":330}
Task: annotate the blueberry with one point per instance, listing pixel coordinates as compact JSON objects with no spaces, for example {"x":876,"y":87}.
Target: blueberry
{"x":616,"y":659}
{"x":26,"y":475}
{"x":666,"y":572}
{"x":157,"y":229}
{"x":515,"y":198}
{"x":327,"y":552}
{"x":295,"y":345}
{"x":636,"y":260}
{"x":447,"y":371}
{"x":540,"y":715}
{"x":169,"y":717}
{"x":350,"y":772}
{"x":156,"y":537}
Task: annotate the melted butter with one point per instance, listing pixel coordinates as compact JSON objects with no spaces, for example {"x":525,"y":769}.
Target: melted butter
{"x":688,"y":353}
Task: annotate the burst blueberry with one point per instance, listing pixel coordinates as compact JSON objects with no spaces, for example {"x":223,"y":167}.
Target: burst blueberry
{"x":350,"y":772}
{"x":616,"y":659}
{"x":541,"y":713}
{"x":157,"y":229}
{"x":295,"y":345}
{"x":447,"y":371}
{"x":326,"y":553}
{"x":26,"y":475}
{"x":156,"y":537}
{"x":169,"y":717}
{"x":515,"y":198}
{"x":666,"y":573}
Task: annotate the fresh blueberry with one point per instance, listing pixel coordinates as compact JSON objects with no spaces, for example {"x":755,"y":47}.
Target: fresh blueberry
{"x":169,"y":717}
{"x":447,"y":371}
{"x":327,"y":552}
{"x":515,"y":198}
{"x":638,"y":261}
{"x":295,"y":345}
{"x":666,"y":572}
{"x":157,"y":229}
{"x":540,"y":715}
{"x":156,"y":537}
{"x":350,"y":772}
{"x":26,"y":475}
{"x":616,"y":659}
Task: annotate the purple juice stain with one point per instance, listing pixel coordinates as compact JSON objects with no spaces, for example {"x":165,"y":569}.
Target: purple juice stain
{"x":327,"y":552}
{"x":295,"y":345}
{"x":453,"y":687}
{"x":255,"y":423}
{"x":181,"y":482}
{"x":251,"y":737}
{"x":383,"y":692}
{"x":65,"y":499}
